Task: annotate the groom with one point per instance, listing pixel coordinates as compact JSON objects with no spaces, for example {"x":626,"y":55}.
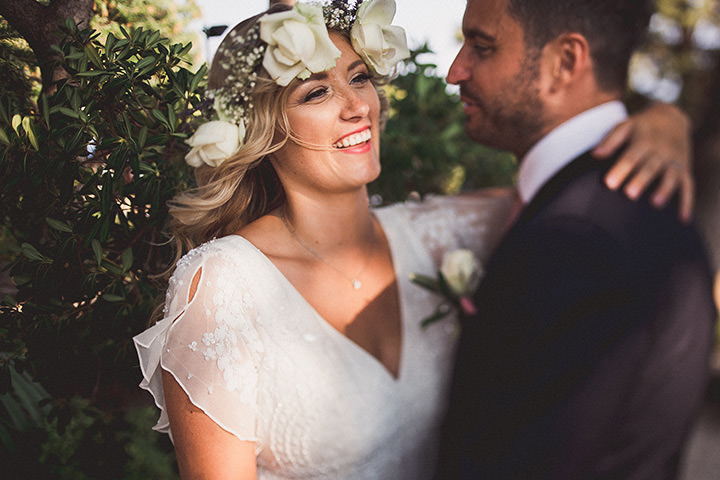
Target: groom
{"x":589,"y":356}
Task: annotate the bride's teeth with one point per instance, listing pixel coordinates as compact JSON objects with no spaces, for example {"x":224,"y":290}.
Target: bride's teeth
{"x":354,"y":139}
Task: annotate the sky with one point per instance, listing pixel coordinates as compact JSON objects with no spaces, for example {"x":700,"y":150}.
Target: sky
{"x":433,"y":21}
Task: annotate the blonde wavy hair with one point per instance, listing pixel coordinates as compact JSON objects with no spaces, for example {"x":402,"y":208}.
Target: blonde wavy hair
{"x":244,"y":187}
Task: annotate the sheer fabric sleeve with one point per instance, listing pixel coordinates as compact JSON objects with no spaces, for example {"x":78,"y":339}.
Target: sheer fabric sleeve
{"x":209,"y":343}
{"x":476,"y":221}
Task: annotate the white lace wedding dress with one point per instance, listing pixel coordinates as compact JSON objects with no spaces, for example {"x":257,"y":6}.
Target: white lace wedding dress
{"x":261,"y":362}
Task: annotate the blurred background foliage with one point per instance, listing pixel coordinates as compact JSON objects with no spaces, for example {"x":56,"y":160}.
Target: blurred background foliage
{"x":169,"y":17}
{"x":88,"y":165}
{"x":424,"y":148}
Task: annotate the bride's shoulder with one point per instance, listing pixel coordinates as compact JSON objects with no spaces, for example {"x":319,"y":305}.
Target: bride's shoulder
{"x":227,"y":246}
{"x":487,"y":201}
{"x":474,"y":220}
{"x":216,"y":254}
{"x":221,"y":267}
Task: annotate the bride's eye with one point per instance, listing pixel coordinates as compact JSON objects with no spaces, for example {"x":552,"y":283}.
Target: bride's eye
{"x":361,"y":78}
{"x":315,"y":94}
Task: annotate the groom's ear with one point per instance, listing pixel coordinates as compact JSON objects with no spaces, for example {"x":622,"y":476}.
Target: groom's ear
{"x":570,"y":61}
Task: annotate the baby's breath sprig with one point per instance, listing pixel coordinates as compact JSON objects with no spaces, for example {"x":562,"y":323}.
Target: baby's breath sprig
{"x":241,"y":59}
{"x":341,"y":14}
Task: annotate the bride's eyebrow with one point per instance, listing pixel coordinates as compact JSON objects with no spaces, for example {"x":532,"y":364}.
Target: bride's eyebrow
{"x":355,"y":64}
{"x":324,"y":75}
{"x":314,"y":76}
{"x":317,"y":76}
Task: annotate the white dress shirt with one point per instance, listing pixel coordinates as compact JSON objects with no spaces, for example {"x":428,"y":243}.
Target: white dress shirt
{"x":565,"y":143}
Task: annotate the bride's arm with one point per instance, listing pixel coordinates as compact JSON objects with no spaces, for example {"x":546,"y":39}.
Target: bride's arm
{"x":204,"y":450}
{"x":658,"y":146}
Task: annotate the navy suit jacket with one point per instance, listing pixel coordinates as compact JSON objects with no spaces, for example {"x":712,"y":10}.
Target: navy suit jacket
{"x":589,"y":356}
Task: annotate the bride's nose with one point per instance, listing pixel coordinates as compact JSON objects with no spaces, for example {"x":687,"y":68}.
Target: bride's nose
{"x":354,"y":106}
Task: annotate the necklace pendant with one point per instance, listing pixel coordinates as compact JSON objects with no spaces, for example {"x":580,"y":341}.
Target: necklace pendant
{"x":356,"y":284}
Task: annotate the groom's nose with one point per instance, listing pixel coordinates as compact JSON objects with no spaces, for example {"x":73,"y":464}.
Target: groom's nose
{"x":459,"y":71}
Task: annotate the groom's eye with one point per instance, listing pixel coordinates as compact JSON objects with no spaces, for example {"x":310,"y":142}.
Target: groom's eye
{"x":481,"y":49}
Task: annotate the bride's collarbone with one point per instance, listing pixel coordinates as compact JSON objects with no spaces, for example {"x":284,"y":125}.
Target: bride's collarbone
{"x":340,"y":303}
{"x":369,"y":316}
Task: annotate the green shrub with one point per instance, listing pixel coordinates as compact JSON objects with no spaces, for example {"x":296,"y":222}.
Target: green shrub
{"x":86,"y":177}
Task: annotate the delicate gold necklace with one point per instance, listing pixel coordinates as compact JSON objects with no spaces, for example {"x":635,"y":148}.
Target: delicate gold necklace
{"x":355,"y":280}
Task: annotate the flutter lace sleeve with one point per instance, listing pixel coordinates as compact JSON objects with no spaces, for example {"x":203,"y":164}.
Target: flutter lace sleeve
{"x":208,"y":341}
{"x":476,"y":221}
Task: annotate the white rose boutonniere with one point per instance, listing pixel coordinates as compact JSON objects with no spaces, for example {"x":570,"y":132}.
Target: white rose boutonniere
{"x":298,"y":43}
{"x":214,"y":142}
{"x":457,"y":279}
{"x":380,"y":44}
{"x":461,"y":271}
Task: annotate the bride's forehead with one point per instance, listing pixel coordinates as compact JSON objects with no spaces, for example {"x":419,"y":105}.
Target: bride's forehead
{"x":347,"y":53}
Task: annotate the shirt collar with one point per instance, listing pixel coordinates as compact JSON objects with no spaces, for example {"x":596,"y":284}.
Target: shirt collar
{"x":564,"y":143}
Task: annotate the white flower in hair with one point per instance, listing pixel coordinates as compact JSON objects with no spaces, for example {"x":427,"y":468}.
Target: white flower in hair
{"x":214,"y":142}
{"x":380,"y":44}
{"x":298,"y":43}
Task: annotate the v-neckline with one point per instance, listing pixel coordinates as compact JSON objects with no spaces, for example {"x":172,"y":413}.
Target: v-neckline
{"x":334,"y":332}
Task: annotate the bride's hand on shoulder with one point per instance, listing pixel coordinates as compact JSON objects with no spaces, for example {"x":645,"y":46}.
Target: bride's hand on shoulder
{"x":658,"y":146}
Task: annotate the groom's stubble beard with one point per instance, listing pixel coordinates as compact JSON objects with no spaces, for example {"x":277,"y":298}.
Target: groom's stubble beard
{"x":512,"y":119}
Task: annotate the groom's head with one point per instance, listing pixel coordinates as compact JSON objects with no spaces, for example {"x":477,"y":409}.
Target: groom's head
{"x":528,"y":65}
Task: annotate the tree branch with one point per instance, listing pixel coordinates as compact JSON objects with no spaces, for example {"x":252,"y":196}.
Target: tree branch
{"x":40,"y":26}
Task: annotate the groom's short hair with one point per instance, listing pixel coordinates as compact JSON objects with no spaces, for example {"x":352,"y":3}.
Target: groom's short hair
{"x":613,"y":29}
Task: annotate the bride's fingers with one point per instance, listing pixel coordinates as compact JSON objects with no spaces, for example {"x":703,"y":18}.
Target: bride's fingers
{"x":628,"y":162}
{"x":642,"y":177}
{"x":613,"y":140}
{"x":687,"y":197}
{"x":676,"y":180}
{"x":669,"y":183}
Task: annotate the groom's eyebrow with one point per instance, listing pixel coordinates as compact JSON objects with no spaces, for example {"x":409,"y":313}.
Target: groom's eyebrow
{"x":475,"y":34}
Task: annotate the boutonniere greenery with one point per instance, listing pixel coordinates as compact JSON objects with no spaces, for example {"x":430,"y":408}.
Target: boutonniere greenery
{"x":456,"y":281}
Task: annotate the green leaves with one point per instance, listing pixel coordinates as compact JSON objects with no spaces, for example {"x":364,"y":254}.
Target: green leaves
{"x":86,"y":174}
{"x":127,"y":260}
{"x":32,"y":254}
{"x":59,"y":225}
{"x":97,"y":250}
{"x":22,"y":126}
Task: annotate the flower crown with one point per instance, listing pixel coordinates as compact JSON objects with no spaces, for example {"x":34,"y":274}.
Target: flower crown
{"x":291,"y":44}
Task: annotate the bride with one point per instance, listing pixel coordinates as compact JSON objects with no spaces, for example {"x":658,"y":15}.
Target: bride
{"x":291,"y":344}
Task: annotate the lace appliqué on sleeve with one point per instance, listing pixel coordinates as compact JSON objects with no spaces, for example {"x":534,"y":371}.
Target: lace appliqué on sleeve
{"x":209,"y":342}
